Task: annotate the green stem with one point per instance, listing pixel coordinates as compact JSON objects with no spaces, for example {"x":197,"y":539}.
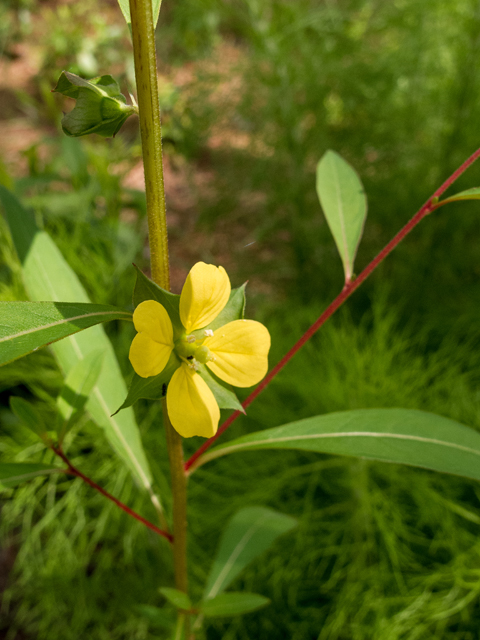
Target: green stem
{"x":179,"y":490}
{"x":143,"y":36}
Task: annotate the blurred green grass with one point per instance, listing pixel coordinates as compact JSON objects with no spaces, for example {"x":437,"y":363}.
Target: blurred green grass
{"x":381,"y":551}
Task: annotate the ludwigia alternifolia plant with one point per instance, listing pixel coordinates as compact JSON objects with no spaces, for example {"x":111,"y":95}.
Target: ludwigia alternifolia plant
{"x":189,"y":350}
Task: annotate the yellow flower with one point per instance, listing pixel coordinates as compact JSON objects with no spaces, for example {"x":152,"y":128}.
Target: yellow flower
{"x":237,"y":352}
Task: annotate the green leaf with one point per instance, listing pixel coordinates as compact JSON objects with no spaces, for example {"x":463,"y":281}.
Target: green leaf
{"x":403,"y":436}
{"x":469,"y":194}
{"x":248,"y":534}
{"x":146,"y":289}
{"x":12,"y":473}
{"x":47,"y":275}
{"x":151,"y":388}
{"x":179,"y":599}
{"x":29,"y":416}
{"x":28,"y":326}
{"x":78,"y":385}
{"x":225,"y":397}
{"x":344,"y":204}
{"x":232,"y":604}
{"x":125,"y":8}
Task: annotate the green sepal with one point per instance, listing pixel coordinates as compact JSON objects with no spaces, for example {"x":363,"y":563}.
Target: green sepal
{"x":151,"y":388}
{"x":225,"y":397}
{"x":100,"y":108}
{"x":233,"y":310}
{"x":147,"y":289}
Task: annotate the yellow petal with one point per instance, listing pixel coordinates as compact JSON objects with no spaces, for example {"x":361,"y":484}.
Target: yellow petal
{"x":192,"y":407}
{"x":204,"y":294}
{"x":240,"y":349}
{"x":151,"y":317}
{"x":148,"y":357}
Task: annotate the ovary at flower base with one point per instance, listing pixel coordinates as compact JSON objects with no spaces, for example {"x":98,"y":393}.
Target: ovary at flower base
{"x":237,"y":352}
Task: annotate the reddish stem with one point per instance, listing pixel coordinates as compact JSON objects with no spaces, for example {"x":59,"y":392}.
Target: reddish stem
{"x":75,"y":472}
{"x":347,"y":291}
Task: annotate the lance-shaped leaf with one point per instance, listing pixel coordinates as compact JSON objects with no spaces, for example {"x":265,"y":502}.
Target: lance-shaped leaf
{"x":79,"y":383}
{"x":403,"y":436}
{"x":125,"y":8}
{"x":47,"y":276}
{"x":179,"y":599}
{"x":232,"y":604}
{"x":344,"y":204}
{"x":28,"y":326}
{"x":12,"y":473}
{"x":249,"y":533}
{"x":469,"y":194}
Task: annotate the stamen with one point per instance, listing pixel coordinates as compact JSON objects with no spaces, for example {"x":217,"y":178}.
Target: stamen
{"x":190,"y":339}
{"x":208,"y":333}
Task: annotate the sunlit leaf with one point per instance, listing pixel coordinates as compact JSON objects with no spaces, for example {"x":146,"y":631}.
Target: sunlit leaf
{"x":403,"y":436}
{"x":344,"y":204}
{"x":47,"y":276}
{"x":76,"y":390}
{"x":28,"y":326}
{"x":249,"y":533}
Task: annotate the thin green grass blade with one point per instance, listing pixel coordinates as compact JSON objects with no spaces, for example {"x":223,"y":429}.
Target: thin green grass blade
{"x":28,"y":326}
{"x":344,"y":204}
{"x":403,"y":436}
{"x":249,"y":533}
{"x":47,"y":276}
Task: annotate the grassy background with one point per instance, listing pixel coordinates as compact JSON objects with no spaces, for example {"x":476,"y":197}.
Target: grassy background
{"x":253,"y":93}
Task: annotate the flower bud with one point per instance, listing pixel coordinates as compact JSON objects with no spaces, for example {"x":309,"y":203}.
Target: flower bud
{"x":100,"y":107}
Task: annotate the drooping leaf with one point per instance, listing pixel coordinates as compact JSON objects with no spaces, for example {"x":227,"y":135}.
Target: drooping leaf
{"x":76,"y":390}
{"x":179,"y":599}
{"x":28,"y":326}
{"x":344,"y":204}
{"x":12,"y":473}
{"x":47,"y":276}
{"x":232,"y":604}
{"x":248,"y":534}
{"x":125,"y":8}
{"x":403,"y":436}
{"x":29,"y":416}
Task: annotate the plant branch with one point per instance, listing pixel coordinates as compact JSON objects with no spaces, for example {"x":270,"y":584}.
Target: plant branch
{"x":143,"y":36}
{"x":75,"y":472}
{"x":193,"y":462}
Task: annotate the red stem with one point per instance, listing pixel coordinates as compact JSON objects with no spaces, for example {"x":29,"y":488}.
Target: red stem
{"x":75,"y":472}
{"x":347,"y":291}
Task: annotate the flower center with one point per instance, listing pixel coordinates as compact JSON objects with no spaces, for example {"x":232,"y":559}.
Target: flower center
{"x":192,"y":349}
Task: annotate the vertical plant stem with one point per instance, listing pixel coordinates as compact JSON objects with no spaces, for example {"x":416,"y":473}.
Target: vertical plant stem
{"x":179,"y":490}
{"x":143,"y":36}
